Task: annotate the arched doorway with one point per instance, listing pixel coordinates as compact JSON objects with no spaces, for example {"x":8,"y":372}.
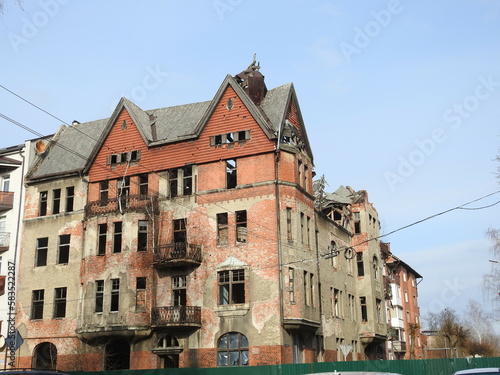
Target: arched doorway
{"x":45,"y":356}
{"x":117,"y":355}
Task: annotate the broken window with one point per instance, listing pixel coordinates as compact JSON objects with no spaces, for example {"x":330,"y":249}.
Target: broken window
{"x":142,"y":235}
{"x":140,"y":298}
{"x":222,"y":228}
{"x":41,"y":251}
{"x":232,"y":350}
{"x":179,"y":284}
{"x":117,"y":237}
{"x":336,"y":303}
{"x":101,"y":239}
{"x":364,"y":311}
{"x":302,"y":228}
{"x":289,"y":224}
{"x":123,"y":191}
{"x":375,"y":268}
{"x":361,"y":268}
{"x":103,"y":193}
{"x":378,"y":304}
{"x":70,"y":198}
{"x":115,"y":295}
{"x":56,"y":201}
{"x":143,"y":184}
{"x":60,"y":302}
{"x":187,"y":180}
{"x":231,"y":173}
{"x":63,"y":253}
{"x":231,"y":287}
{"x":241,"y":226}
{"x":172,"y":181}
{"x":42,"y":210}
{"x":37,"y":300}
{"x":227,"y":138}
{"x":180,"y":233}
{"x":308,"y":232}
{"x":357,"y":223}
{"x":291,"y":284}
{"x":99,"y":296}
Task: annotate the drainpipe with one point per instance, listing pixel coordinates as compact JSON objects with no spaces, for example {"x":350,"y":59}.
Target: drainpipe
{"x":278,"y":232}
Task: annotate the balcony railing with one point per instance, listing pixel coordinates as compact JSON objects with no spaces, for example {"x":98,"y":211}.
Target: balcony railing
{"x":6,"y":200}
{"x":399,"y":346}
{"x":123,"y":204}
{"x":177,"y":254}
{"x":174,"y":316}
{"x":4,"y":241}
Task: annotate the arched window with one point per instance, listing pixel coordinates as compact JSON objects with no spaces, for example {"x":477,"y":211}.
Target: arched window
{"x":232,"y":350}
{"x":168,"y":349}
{"x":117,"y":355}
{"x":45,"y":356}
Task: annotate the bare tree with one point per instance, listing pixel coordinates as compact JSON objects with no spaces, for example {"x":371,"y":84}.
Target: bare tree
{"x":449,"y":327}
{"x":477,"y":321}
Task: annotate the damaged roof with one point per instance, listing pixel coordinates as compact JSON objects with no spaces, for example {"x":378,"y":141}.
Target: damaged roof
{"x":72,"y":147}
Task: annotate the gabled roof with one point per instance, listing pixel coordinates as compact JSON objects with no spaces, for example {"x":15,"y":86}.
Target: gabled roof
{"x":75,"y":147}
{"x":5,"y":161}
{"x":68,"y":151}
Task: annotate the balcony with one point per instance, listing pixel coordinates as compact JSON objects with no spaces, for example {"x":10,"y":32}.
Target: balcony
{"x":176,"y":316}
{"x":123,"y":204}
{"x":399,"y":346}
{"x":179,"y":254}
{"x":4,"y":241}
{"x":6,"y":200}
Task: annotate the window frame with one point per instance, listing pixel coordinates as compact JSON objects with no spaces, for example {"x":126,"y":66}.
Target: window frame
{"x":232,"y":288}
{"x":240,"y":346}
{"x":37,"y":302}
{"x":60,"y":302}
{"x":63,"y":249}
{"x":41,"y":250}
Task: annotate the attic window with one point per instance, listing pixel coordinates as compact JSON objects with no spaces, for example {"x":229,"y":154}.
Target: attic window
{"x":124,"y":124}
{"x":230,"y":103}
{"x":230,"y":138}
{"x":124,"y":157}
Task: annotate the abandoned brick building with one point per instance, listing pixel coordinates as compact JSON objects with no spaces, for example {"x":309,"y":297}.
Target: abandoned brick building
{"x":194,"y":236}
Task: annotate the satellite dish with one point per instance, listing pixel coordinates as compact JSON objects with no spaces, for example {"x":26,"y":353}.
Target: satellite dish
{"x":40,"y":147}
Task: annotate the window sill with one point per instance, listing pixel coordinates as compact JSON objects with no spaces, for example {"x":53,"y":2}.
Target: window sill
{"x":232,"y":310}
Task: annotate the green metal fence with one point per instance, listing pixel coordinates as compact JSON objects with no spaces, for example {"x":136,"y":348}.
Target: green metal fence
{"x":404,"y":367}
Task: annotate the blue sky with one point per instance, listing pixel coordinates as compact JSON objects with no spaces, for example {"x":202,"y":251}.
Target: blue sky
{"x":400,"y":97}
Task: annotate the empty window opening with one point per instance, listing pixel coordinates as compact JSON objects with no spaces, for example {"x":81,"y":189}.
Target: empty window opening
{"x":115,"y":295}
{"x":140,"y":298}
{"x":357,"y":223}
{"x":37,"y":300}
{"x":187,"y":180}
{"x":364,"y":310}
{"x":41,"y":251}
{"x":289,"y":224}
{"x":142,"y":235}
{"x":70,"y":198}
{"x":117,"y":355}
{"x":143,"y":184}
{"x":117,"y":237}
{"x":241,"y":226}
{"x":102,"y":236}
{"x":60,"y":295}
{"x":56,"y":201}
{"x":361,"y":267}
{"x":180,"y":233}
{"x":45,"y":356}
{"x":231,"y":180}
{"x":291,"y":284}
{"x":42,"y":210}
{"x":179,"y":294}
{"x":222,"y":228}
{"x":231,"y":287}
{"x":63,"y":253}
{"x":99,"y":296}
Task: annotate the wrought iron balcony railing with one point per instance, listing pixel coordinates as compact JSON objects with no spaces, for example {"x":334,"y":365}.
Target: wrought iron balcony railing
{"x":123,"y":204}
{"x":177,"y":254}
{"x":172,"y":316}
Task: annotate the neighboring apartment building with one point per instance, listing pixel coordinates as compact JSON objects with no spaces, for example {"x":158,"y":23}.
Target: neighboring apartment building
{"x":192,"y":236}
{"x":405,"y":341}
{"x":12,"y":164}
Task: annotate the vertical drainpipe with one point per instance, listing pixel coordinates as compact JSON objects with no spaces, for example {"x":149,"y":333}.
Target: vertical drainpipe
{"x":278,"y":233}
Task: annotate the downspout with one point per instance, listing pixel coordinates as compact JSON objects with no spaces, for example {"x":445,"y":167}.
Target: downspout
{"x":278,"y":233}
